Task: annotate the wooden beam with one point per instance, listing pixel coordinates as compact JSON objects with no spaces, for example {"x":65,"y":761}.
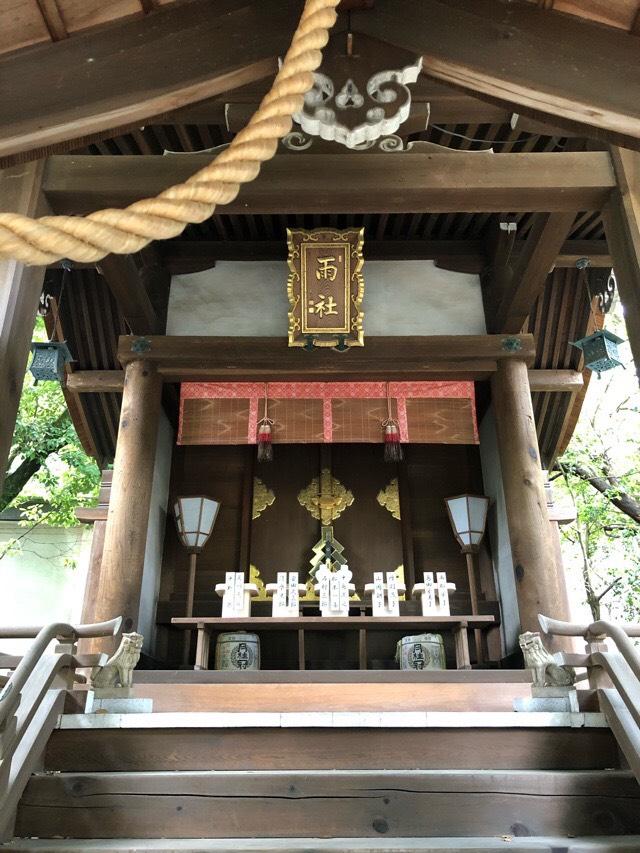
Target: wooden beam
{"x":622,"y":225}
{"x":444,"y":356}
{"x":548,"y":62}
{"x":121,"y":75}
{"x":561,"y":381}
{"x":352,"y":182}
{"x":20,"y":289}
{"x":186,"y":256}
{"x":101,"y":381}
{"x":127,"y":287}
{"x":530,"y":273}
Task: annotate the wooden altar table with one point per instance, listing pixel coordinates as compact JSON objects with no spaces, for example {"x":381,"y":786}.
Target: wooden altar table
{"x":457,"y":625}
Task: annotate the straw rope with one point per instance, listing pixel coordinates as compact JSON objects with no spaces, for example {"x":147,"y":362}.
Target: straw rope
{"x":89,"y":238}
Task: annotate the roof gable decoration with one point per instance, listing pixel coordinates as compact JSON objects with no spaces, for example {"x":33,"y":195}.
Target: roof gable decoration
{"x":353,"y":101}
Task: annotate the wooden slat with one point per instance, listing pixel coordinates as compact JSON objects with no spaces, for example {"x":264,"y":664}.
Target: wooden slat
{"x":317,"y":803}
{"x":351,"y":183}
{"x":122,"y":75}
{"x":555,"y":380}
{"x":548,"y":62}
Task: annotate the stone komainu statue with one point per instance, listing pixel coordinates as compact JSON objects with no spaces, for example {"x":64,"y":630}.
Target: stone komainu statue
{"x":546,"y":670}
{"x":118,"y":670}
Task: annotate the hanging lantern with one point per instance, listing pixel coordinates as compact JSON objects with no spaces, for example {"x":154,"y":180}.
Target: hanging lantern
{"x":600,"y":351}
{"x":265,"y":446}
{"x":392,"y":446}
{"x":49,"y":359}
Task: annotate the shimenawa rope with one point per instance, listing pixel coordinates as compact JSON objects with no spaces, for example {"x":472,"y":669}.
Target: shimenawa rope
{"x":89,"y":238}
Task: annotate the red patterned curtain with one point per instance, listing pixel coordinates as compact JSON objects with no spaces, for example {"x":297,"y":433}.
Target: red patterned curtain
{"x":317,"y":412}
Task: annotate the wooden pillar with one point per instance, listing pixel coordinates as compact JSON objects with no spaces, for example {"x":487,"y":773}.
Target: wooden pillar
{"x":622,"y":226}
{"x":126,"y":533}
{"x":20,"y":289}
{"x":540,"y":588}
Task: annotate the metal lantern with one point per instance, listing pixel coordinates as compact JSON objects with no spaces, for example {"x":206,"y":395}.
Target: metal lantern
{"x":195,"y":518}
{"x":600,"y":351}
{"x":468,"y":517}
{"x":49,"y":359}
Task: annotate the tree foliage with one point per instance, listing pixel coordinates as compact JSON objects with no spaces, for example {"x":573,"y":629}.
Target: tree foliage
{"x":48,"y":474}
{"x":600,"y":471}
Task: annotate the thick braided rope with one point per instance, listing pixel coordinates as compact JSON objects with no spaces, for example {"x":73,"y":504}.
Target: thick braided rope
{"x":89,"y":238}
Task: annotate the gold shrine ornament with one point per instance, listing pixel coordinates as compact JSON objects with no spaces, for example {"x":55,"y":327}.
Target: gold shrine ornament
{"x":325,"y":498}
{"x":262,"y":498}
{"x":389,"y":498}
{"x":325,"y":288}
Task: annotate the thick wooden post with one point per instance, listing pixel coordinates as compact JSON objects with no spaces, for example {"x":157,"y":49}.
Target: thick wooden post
{"x":622,"y":226}
{"x":540,"y":587}
{"x":126,"y":533}
{"x":20,"y":289}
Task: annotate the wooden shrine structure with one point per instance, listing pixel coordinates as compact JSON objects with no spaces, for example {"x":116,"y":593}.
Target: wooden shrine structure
{"x":491,"y":218}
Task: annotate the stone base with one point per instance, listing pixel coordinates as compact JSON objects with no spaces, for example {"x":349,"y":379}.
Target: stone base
{"x":549,"y":699}
{"x":116,"y":700}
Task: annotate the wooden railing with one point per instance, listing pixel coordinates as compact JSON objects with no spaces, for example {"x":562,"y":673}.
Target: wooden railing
{"x":615,"y":675}
{"x":32,"y":698}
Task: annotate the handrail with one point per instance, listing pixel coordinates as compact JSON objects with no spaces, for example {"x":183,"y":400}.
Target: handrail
{"x":619,"y":634}
{"x":620,"y":703}
{"x":31,"y":701}
{"x":95,"y":629}
{"x":36,"y":650}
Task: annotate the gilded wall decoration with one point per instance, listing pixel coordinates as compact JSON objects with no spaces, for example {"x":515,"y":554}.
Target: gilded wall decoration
{"x":262,"y":497}
{"x":325,"y":498}
{"x":389,"y":498}
{"x":254,"y":577}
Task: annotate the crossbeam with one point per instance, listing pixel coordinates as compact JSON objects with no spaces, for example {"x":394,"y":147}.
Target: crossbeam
{"x":351,"y":183}
{"x":105,"y":381}
{"x":184,"y":358}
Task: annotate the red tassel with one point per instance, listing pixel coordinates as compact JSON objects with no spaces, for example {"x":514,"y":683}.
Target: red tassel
{"x":392,"y":446}
{"x":265,"y":447}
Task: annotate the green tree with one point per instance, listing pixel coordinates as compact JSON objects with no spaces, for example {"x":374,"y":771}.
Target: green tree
{"x":48,"y":473}
{"x":600,"y":471}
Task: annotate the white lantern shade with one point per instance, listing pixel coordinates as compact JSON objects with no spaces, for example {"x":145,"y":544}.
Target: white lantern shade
{"x":195,"y":518}
{"x":468,"y":517}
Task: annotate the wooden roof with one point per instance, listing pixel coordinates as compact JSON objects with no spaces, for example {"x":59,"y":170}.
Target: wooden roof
{"x":28,"y":22}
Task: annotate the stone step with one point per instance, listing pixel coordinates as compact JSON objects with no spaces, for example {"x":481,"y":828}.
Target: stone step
{"x":329,"y":803}
{"x":558,"y":844}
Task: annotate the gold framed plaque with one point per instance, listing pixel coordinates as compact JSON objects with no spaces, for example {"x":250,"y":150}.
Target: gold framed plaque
{"x":325,"y":288}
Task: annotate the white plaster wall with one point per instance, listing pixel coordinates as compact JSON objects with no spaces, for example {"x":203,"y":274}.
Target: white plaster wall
{"x":499,"y":532}
{"x":155,"y":535}
{"x":401,"y":298}
{"x":44,"y":580}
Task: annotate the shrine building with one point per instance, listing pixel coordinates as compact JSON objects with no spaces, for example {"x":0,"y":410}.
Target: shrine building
{"x":325,"y":380}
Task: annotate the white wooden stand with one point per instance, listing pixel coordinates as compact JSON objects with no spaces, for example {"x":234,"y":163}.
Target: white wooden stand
{"x":434,"y":596}
{"x":334,"y":590}
{"x":236,"y":595}
{"x":385,"y":595}
{"x":285,"y":594}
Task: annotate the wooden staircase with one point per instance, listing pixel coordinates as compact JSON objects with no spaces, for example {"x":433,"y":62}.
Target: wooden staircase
{"x":225,"y":782}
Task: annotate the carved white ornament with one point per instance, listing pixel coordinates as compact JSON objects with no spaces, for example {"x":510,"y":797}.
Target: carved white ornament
{"x":378,"y":112}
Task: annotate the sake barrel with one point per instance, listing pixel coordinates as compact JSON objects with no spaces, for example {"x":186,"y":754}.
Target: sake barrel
{"x":238,"y":651}
{"x":421,"y":651}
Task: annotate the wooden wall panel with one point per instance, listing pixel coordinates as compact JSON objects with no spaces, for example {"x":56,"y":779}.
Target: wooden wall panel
{"x":21,"y":24}
{"x":435,"y":472}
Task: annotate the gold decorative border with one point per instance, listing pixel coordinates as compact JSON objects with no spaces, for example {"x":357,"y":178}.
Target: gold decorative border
{"x":356,"y":283}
